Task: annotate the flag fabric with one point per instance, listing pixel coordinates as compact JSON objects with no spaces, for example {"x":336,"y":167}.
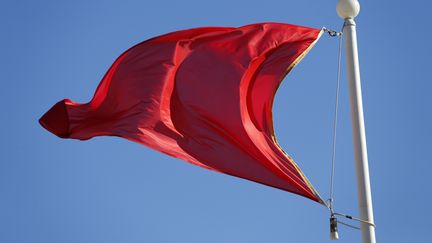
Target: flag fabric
{"x":203,"y":95}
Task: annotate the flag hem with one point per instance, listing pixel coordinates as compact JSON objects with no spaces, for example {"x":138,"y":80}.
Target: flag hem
{"x":293,"y":64}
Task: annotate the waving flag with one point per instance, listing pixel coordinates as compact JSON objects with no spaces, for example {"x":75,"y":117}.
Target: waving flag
{"x":203,"y":95}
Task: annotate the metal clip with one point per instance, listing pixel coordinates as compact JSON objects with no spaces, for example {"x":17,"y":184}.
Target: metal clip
{"x":332,"y":33}
{"x":333,"y":228}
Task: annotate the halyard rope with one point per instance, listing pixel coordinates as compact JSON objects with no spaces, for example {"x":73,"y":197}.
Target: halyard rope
{"x":329,"y":203}
{"x":335,"y":121}
{"x":335,"y":118}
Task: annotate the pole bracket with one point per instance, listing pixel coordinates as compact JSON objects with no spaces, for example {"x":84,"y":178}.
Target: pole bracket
{"x":356,"y":219}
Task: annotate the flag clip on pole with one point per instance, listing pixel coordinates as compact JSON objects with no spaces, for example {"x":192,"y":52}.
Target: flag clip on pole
{"x":348,"y":10}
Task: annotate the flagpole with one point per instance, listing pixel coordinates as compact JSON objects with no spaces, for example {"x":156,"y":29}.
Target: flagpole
{"x":348,"y":10}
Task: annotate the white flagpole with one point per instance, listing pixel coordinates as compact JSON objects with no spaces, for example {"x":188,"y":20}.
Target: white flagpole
{"x":348,"y":10}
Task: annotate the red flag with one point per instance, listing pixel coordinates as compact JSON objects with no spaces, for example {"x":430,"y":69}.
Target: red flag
{"x":203,"y":95}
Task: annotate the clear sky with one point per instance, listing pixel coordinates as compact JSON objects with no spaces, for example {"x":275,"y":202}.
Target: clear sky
{"x":112,"y":190}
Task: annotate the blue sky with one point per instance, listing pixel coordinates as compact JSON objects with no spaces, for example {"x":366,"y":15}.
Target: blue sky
{"x":112,"y":190}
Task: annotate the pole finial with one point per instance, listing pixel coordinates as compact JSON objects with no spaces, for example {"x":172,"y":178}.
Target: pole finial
{"x":348,"y":8}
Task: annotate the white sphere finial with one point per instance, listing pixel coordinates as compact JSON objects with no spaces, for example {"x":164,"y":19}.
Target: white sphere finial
{"x":348,"y":8}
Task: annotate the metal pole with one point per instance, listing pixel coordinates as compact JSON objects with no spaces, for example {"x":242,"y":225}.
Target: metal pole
{"x":348,"y":10}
